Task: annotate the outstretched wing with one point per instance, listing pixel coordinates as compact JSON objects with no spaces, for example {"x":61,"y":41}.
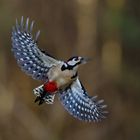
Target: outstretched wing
{"x":31,"y":60}
{"x":76,"y":101}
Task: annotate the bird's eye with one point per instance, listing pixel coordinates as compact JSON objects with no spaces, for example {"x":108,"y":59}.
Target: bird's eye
{"x":75,"y":59}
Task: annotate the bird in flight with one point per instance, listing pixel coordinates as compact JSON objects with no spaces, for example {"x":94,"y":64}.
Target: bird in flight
{"x":59,"y":77}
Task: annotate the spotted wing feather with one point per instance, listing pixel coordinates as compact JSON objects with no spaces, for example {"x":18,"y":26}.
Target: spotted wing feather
{"x":29,"y":57}
{"x":76,"y":101}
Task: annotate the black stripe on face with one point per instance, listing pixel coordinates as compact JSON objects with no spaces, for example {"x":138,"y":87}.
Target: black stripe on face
{"x":69,"y":67}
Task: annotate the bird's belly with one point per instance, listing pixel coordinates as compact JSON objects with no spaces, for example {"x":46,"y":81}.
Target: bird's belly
{"x":61,"y":78}
{"x":62,"y":81}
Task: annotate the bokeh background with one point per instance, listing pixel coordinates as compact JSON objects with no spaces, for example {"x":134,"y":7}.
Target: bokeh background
{"x":108,"y":31}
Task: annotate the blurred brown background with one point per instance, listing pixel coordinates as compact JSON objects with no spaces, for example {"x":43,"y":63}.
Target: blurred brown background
{"x":108,"y":31}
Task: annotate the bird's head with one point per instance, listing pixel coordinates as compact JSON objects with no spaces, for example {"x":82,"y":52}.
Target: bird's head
{"x":74,"y":62}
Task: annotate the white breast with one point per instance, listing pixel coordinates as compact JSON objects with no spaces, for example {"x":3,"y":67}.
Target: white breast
{"x":62,"y":78}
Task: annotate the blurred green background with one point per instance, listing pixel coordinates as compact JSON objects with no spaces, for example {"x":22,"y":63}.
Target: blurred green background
{"x":108,"y":31}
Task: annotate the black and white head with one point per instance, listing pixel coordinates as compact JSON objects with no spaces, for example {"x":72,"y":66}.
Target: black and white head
{"x":74,"y":62}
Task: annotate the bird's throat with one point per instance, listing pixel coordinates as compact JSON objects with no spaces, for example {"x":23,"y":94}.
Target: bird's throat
{"x":50,"y":87}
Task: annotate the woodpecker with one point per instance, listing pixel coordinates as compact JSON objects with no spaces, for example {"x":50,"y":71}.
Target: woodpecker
{"x":59,"y":77}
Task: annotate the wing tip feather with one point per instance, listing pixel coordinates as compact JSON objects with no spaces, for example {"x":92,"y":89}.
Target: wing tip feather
{"x":25,"y":25}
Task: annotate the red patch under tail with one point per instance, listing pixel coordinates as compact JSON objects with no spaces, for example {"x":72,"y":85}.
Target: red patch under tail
{"x":50,"y":87}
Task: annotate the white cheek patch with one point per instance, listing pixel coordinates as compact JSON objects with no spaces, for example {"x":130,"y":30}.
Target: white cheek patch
{"x":72,"y":63}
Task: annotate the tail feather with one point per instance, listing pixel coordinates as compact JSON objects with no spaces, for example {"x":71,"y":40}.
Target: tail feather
{"x":37,"y":99}
{"x":43,"y":96}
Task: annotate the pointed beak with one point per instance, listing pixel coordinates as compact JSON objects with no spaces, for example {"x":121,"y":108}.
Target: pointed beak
{"x":85,"y":60}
